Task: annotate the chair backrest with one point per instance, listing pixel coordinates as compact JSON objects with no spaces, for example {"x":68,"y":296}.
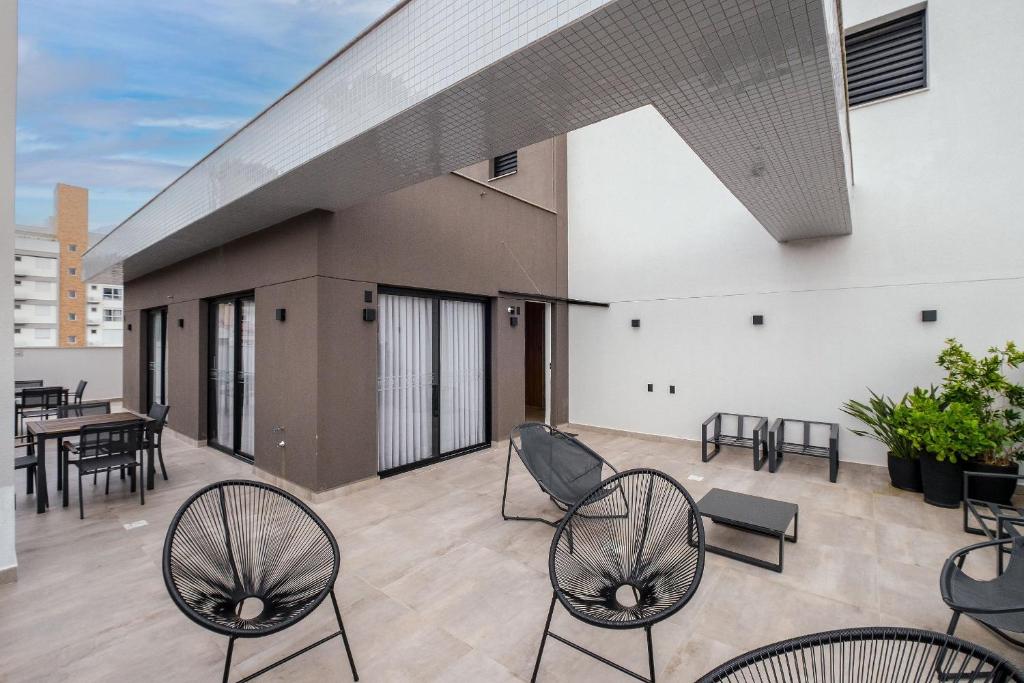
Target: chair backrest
{"x":114,"y":438}
{"x":26,"y":383}
{"x":42,"y":397}
{"x":563,"y":467}
{"x":882,"y":654}
{"x":158,"y":412}
{"x":237,"y":538}
{"x":638,"y":528}
{"x":83,"y":409}
{"x":80,"y":390}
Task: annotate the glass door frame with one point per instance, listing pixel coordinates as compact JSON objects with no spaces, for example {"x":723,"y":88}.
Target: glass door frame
{"x":435,"y":298}
{"x":151,"y":399}
{"x":238,"y":394}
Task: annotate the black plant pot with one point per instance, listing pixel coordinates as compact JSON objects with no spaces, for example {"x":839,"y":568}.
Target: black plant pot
{"x":905,"y":473}
{"x":992,"y":489}
{"x":943,"y":482}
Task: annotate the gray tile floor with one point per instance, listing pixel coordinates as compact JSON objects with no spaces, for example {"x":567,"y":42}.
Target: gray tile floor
{"x":435,"y":586}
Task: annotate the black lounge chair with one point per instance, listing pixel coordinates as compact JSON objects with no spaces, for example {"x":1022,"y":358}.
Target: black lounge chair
{"x":879,"y":654}
{"x":998,"y":604}
{"x":564,"y":467}
{"x":626,"y":561}
{"x":239,"y":542}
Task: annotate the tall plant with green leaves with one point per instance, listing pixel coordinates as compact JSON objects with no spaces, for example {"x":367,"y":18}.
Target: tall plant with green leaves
{"x":981,"y":383}
{"x":877,"y":417}
{"x":952,"y":431}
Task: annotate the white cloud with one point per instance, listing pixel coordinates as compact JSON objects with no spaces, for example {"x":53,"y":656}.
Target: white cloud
{"x":192,"y":122}
{"x":27,"y":142}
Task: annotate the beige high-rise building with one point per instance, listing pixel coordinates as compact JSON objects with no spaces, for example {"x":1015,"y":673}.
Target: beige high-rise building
{"x":53,"y":305}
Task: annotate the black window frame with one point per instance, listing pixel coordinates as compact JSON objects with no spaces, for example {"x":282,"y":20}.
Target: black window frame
{"x":884,"y":61}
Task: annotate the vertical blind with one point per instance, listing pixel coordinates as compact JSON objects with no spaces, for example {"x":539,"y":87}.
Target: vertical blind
{"x":463,"y":374}
{"x":222,"y":374}
{"x":156,"y":355}
{"x":405,"y":380}
{"x":248,"y":376}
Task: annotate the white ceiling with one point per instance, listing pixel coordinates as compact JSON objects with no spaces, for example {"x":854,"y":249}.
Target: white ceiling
{"x":755,"y":87}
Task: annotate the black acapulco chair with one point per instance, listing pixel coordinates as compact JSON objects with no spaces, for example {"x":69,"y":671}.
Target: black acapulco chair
{"x":880,"y":654}
{"x":563,"y":467}
{"x":236,"y":545}
{"x":626,"y":562}
{"x":997,"y":604}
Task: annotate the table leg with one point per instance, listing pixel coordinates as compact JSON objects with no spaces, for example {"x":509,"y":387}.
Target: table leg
{"x":42,"y":500}
{"x":150,"y":467}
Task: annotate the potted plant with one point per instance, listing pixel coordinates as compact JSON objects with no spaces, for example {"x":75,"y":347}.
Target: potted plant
{"x":982,"y":384}
{"x":946,"y":436}
{"x":876,"y":416}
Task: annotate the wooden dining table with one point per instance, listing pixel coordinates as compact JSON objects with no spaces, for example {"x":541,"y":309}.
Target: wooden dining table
{"x":42,"y":431}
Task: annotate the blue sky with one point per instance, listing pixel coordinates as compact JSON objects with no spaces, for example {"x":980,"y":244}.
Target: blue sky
{"x":121,"y":96}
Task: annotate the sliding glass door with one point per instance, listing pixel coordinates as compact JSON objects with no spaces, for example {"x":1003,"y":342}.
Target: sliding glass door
{"x":432,"y":378}
{"x":156,"y":366}
{"x":232,"y":373}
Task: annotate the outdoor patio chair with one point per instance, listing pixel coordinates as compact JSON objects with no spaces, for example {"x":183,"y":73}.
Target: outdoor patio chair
{"x":80,"y":390}
{"x":880,"y":654}
{"x":102,"y":448}
{"x":235,"y":543}
{"x":626,"y":562}
{"x":28,"y":463}
{"x":158,"y":412}
{"x":39,"y":403}
{"x":563,"y":467}
{"x":80,"y":410}
{"x":998,"y":604}
{"x":992,"y":519}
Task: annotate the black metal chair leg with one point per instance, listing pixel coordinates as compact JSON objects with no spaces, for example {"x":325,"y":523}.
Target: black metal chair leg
{"x":344,"y":637}
{"x":107,"y":491}
{"x":30,"y":480}
{"x":81,"y":503}
{"x":547,"y":628}
{"x":142,"y":486}
{"x":227,"y":660}
{"x":650,"y":652}
{"x":160,"y":454}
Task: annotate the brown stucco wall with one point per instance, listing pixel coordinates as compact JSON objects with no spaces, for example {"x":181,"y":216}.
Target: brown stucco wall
{"x":316,"y":371}
{"x":541,"y":189}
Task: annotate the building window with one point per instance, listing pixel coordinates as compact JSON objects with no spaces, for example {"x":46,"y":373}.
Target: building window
{"x":72,"y":316}
{"x":92,"y":331}
{"x":17,"y":282}
{"x":112,"y":315}
{"x":17,"y":307}
{"x":17,"y":258}
{"x":72,"y":271}
{"x":92,"y":309}
{"x":72,"y":247}
{"x":504,"y":164}
{"x":112,"y":293}
{"x":886,"y":60}
{"x":17,"y":331}
{"x":72,"y":294}
{"x":72,"y":339}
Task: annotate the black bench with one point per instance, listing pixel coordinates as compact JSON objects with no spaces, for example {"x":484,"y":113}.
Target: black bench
{"x":756,"y":441}
{"x":777,"y":444}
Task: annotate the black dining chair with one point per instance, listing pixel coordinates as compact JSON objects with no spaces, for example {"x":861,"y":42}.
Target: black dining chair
{"x":105,"y":447}
{"x":27,"y":383}
{"x":80,"y":390}
{"x":80,"y":410}
{"x":158,"y":412}
{"x":39,"y":403}
{"x":998,"y":603}
{"x":236,"y":543}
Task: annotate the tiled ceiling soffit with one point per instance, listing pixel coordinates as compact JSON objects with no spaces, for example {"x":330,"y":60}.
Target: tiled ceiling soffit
{"x":754,"y":87}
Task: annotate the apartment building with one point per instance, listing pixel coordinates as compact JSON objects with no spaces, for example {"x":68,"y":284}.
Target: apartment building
{"x":53,"y":306}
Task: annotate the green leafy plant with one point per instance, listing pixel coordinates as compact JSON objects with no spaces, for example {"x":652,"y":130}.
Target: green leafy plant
{"x":951,"y":431}
{"x":877,"y":417}
{"x":981,"y":384}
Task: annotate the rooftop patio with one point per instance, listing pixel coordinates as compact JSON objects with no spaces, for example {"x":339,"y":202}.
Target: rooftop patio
{"x":434,"y":585}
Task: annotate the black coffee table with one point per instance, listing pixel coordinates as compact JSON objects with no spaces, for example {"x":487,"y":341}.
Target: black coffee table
{"x":753,"y":514}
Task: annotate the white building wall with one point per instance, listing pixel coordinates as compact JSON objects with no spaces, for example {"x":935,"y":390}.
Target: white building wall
{"x":937,"y":209}
{"x":8,"y":89}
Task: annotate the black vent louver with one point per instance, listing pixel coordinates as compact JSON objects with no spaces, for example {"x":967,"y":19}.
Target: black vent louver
{"x":886,"y":60}
{"x":505,"y":164}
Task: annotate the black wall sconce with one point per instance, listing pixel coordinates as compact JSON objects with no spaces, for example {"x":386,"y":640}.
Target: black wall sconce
{"x":650,"y":387}
{"x":929,"y":316}
{"x":671,"y":388}
{"x":368,"y":296}
{"x":279,"y":314}
{"x":181,"y":322}
{"x":129,"y":327}
{"x":369,"y":315}
{"x":758,"y":320}
{"x":513,"y":316}
{"x":635,"y":322}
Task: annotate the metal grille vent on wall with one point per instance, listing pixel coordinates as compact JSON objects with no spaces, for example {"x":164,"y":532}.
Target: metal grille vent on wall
{"x":886,"y":60}
{"x":505,"y":164}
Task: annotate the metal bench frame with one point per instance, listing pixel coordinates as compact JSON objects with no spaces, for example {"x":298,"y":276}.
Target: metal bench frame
{"x":719,"y":439}
{"x":778,"y":446}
